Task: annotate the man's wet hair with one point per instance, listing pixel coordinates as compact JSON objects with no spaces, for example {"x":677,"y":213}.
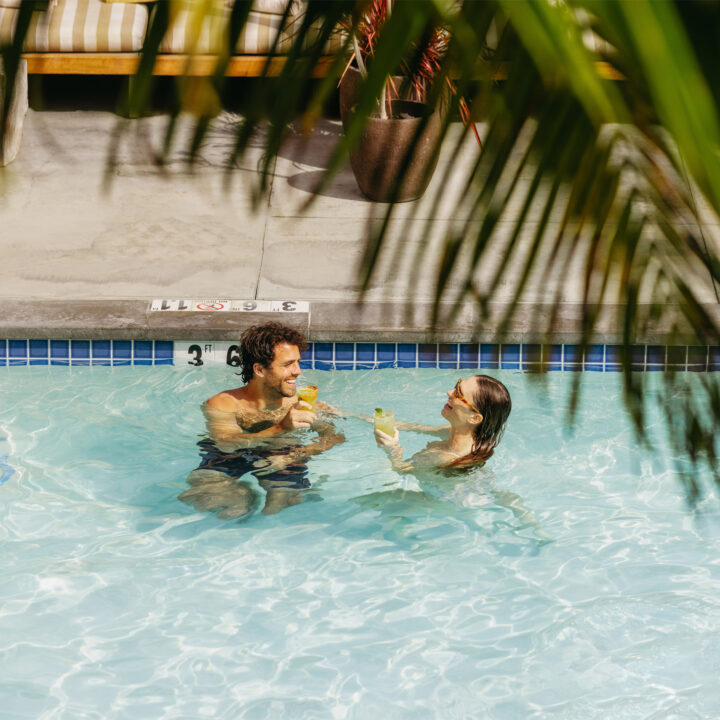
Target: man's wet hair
{"x":257,"y":345}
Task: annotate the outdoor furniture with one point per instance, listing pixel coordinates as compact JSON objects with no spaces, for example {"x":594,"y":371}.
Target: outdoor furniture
{"x":99,"y":37}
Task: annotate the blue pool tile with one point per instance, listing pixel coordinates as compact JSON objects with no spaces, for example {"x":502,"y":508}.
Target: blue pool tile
{"x":697,"y":358}
{"x":101,"y":352}
{"x":386,"y":354}
{"x":407,"y":354}
{"x":60,"y":350}
{"x":469,"y":355}
{"x":122,"y":352}
{"x":142,"y":352}
{"x":143,"y":349}
{"x":490,"y":357}
{"x":365,"y":353}
{"x":638,"y":357}
{"x":344,"y":353}
{"x":448,"y":355}
{"x":572,"y":357}
{"x":17,"y":349}
{"x":306,"y":358}
{"x":348,"y":356}
{"x":714,"y":363}
{"x":164,"y":351}
{"x":38,"y":352}
{"x":655,"y":356}
{"x":677,"y":357}
{"x":38,"y":348}
{"x":531,"y":356}
{"x":427,"y":355}
{"x":510,"y":357}
{"x":613,"y":354}
{"x":594,"y":360}
{"x":553,"y":357}
{"x":595,"y":355}
{"x":80,"y":350}
{"x":323,"y":351}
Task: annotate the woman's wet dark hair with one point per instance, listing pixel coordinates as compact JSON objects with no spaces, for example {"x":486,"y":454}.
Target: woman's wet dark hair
{"x":492,"y":399}
{"x":257,"y":345}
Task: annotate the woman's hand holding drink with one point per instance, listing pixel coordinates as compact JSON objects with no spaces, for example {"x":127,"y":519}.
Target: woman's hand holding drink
{"x":384,"y":421}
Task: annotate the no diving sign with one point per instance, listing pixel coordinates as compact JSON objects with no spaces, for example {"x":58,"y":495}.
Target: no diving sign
{"x":225,"y":305}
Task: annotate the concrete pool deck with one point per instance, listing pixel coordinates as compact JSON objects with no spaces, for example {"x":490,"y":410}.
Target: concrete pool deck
{"x":82,"y":258}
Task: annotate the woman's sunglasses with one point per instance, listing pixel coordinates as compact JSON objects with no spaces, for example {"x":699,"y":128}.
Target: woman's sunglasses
{"x":459,"y":395}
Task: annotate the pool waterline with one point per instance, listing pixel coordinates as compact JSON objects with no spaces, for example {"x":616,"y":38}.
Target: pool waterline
{"x":368,"y":355}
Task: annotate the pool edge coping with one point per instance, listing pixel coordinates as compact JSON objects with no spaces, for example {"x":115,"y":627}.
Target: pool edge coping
{"x":327,"y":321}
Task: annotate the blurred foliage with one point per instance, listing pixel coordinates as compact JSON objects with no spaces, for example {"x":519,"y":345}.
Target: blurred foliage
{"x":598,"y":169}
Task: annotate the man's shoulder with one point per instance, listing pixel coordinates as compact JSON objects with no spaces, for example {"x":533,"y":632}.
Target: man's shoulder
{"x":225,"y":401}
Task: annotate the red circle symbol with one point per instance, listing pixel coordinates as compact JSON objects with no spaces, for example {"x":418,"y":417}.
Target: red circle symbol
{"x":210,"y":306}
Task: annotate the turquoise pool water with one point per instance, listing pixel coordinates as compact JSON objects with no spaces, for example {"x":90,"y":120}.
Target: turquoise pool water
{"x":571,"y":581}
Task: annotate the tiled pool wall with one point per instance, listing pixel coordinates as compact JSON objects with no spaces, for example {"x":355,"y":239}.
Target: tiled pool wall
{"x":366,"y":355}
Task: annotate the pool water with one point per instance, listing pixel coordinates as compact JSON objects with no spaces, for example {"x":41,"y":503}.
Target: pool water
{"x":568,"y":580}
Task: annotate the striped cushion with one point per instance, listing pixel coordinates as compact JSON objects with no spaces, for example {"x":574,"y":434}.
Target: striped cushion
{"x":189,"y":33}
{"x":81,"y":26}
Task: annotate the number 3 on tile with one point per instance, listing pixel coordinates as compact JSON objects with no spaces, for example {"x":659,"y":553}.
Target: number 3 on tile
{"x":289,"y":306}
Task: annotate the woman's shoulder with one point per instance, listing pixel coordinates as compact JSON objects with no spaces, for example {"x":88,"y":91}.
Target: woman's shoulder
{"x":435,"y":454}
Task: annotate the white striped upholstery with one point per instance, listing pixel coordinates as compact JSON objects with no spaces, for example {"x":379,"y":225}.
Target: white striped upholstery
{"x":99,"y":26}
{"x":81,"y":26}
{"x":189,"y":33}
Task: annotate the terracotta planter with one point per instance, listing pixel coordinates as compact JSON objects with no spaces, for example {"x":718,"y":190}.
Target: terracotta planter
{"x":381,"y":152}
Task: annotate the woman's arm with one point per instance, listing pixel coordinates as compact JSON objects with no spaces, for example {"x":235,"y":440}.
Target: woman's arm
{"x":439,"y":430}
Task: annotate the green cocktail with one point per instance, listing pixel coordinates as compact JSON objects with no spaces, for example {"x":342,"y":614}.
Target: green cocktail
{"x":385,"y":421}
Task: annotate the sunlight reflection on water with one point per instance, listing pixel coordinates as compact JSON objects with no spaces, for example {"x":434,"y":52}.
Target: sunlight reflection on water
{"x":568,"y":579}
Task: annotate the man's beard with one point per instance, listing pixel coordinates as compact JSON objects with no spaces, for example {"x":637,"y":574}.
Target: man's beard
{"x":281,"y":390}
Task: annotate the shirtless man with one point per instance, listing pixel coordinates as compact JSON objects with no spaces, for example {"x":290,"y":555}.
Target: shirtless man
{"x":248,"y":430}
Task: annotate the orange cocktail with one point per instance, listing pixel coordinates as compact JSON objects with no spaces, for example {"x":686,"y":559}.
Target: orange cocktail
{"x":308,"y":394}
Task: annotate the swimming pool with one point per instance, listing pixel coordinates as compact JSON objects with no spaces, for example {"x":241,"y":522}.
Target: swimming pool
{"x":569,"y":582}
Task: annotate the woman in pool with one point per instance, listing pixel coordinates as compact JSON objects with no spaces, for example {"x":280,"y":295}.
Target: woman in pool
{"x":477,"y":410}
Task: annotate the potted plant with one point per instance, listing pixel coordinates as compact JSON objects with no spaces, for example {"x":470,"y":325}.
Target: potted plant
{"x":401,"y":137}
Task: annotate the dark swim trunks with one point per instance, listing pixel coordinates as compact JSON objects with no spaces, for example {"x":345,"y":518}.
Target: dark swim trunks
{"x":293,"y":476}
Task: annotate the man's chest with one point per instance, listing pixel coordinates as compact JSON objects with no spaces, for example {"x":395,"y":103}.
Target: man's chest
{"x":254,"y":420}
